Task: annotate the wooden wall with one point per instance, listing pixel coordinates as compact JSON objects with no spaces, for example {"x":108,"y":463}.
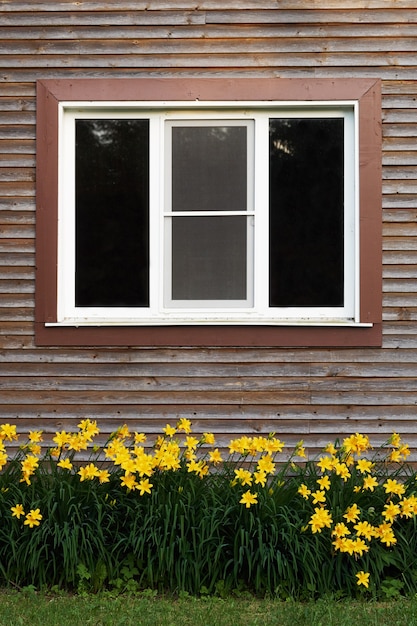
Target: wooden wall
{"x":310,"y":394}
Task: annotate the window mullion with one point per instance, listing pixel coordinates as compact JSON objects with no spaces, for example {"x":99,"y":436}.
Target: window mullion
{"x":156,"y":181}
{"x":261,"y":205}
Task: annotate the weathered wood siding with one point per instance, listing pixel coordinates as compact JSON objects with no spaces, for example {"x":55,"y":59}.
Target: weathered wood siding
{"x":314,"y":394}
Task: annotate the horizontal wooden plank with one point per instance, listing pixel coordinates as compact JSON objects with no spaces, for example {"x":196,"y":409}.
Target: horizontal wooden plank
{"x":159,"y":5}
{"x":205,"y":45}
{"x":217,"y":60}
{"x":297,"y":31}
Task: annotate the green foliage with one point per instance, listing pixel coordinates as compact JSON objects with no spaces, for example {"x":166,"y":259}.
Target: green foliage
{"x":179,"y":518}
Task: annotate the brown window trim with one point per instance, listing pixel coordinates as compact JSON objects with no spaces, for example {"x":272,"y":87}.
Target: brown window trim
{"x":366,"y":91}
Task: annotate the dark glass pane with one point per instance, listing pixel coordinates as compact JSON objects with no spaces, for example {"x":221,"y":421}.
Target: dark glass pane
{"x":209,"y":168}
{"x":306,"y":212}
{"x":209,"y":258}
{"x":112,"y":213}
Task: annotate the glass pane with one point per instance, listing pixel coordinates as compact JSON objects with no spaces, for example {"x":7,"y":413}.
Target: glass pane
{"x":209,"y":168}
{"x":209,"y":258}
{"x":306,"y":212}
{"x":112,"y":214}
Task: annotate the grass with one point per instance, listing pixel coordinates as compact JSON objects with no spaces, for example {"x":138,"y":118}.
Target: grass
{"x":21,"y":609}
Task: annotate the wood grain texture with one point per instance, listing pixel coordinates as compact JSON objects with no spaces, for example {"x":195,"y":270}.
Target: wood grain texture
{"x":311,"y":394}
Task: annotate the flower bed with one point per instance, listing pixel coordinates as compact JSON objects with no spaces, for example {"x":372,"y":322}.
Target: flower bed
{"x":181,"y":516}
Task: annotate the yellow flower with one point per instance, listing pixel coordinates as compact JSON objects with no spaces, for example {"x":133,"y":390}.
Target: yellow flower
{"x":395,"y":440}
{"x":325,"y":463}
{"x":404,"y":450}
{"x":88,"y":472}
{"x":342,"y":471}
{"x":61,"y":439}
{"x":3,"y":458}
{"x":352,"y":513}
{"x":265,"y":464}
{"x":370,"y":482}
{"x":139,"y":438}
{"x":363,"y":578}
{"x":391,"y":511}
{"x":103,"y":476}
{"x":209,"y":439}
{"x":33,"y":518}
{"x":321,"y":518}
{"x":169,"y":430}
{"x":408,"y":506}
{"x":273,"y":445}
{"x":122,"y":432}
{"x":77,"y":442}
{"x":17,"y":511}
{"x":215,"y":456}
{"x":304,"y":491}
{"x":395,"y":456}
{"x":7,"y":431}
{"x":89,"y":428}
{"x":65,"y":464}
{"x":35,"y":436}
{"x":324,"y":482}
{"x":260,"y":478}
{"x":144,"y":486}
{"x":191,"y":443}
{"x":364,"y":529}
{"x":356,"y":443}
{"x":364,"y":466}
{"x":330,"y":449}
{"x":184,"y":424}
{"x":248,"y":499}
{"x":299,"y":449}
{"x":393,"y":486}
{"x":128,"y":480}
{"x":318,"y":496}
{"x":340,"y":530}
{"x":244,"y":476}
{"x":359,"y":547}
{"x":29,"y":464}
{"x":386,"y":534}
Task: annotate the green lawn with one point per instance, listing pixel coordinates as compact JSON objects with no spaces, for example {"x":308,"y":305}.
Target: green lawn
{"x":21,"y":609}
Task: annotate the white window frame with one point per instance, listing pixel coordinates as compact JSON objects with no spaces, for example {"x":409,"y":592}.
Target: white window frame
{"x":161,"y":312}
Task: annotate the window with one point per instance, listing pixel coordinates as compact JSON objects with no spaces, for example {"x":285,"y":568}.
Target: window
{"x":195,"y":214}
